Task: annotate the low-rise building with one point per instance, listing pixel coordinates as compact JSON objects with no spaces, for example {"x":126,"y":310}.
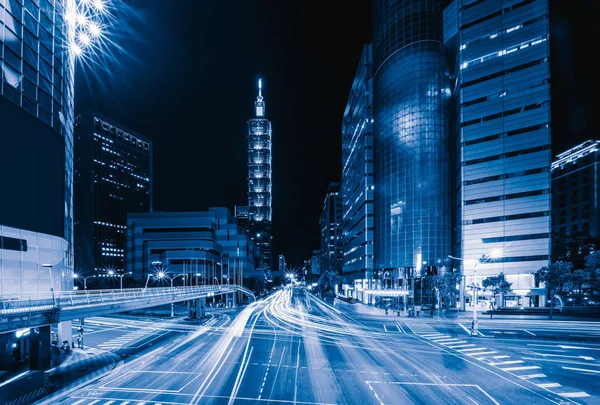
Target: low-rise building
{"x":205,"y":247}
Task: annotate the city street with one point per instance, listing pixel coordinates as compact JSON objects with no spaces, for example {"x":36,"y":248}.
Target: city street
{"x":296,"y":349}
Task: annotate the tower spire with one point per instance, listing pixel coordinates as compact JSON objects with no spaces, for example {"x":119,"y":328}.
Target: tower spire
{"x":259,"y":104}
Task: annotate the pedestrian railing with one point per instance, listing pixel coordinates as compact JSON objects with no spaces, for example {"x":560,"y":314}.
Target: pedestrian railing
{"x":15,"y":304}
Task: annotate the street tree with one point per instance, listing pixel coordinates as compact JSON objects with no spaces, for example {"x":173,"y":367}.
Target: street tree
{"x":592,"y":268}
{"x":327,"y":283}
{"x":496,"y":285}
{"x":555,"y":277}
{"x":446,"y":286}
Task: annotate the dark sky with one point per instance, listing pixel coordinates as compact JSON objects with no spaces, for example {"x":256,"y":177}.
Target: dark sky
{"x":186,"y":78}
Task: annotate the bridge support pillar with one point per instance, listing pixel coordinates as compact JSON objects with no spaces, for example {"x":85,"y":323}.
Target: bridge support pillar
{"x":231,"y":300}
{"x":65,"y":332}
{"x":6,"y":359}
{"x":201,"y":307}
{"x":192,"y":306}
{"x":40,"y":358}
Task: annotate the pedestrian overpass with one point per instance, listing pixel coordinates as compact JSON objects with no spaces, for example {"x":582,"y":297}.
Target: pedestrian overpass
{"x":31,"y":310}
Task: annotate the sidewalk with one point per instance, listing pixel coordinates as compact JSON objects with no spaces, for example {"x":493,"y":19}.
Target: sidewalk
{"x":78,"y":364}
{"x":454,"y":315}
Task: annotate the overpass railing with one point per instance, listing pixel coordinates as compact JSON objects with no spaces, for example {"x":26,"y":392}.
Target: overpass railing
{"x":13,"y":304}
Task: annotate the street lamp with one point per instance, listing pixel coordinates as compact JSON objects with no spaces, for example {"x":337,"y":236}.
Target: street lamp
{"x":49,"y":267}
{"x":198,"y":275}
{"x":161,"y":275}
{"x":121,"y":278}
{"x":77,"y":276}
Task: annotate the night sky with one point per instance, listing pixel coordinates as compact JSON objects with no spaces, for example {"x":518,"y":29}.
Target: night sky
{"x":186,"y":78}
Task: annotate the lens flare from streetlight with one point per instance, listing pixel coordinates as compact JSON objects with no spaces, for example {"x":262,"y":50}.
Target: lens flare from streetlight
{"x":94,"y":29}
{"x":84,"y":39}
{"x":161,"y":274}
{"x":99,"y":5}
{"x":75,"y":275}
{"x":496,"y":253}
{"x":111,"y":273}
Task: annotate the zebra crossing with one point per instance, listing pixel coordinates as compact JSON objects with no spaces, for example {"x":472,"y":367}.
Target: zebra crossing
{"x":516,"y":367}
{"x":88,"y":401}
{"x":126,"y":339}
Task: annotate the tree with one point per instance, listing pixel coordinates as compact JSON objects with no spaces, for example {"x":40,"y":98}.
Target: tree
{"x":327,"y":283}
{"x":555,"y":276}
{"x":496,"y":285}
{"x":592,"y":268}
{"x":446,"y":286}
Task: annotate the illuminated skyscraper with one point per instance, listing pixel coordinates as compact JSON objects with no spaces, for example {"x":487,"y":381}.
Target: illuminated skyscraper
{"x":259,"y":182}
{"x":36,"y":141}
{"x":357,"y":174}
{"x":113,"y":178}
{"x":501,"y":58}
{"x":411,"y":108}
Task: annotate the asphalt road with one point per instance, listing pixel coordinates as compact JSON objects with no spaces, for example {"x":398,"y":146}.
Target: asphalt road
{"x":296,"y":349}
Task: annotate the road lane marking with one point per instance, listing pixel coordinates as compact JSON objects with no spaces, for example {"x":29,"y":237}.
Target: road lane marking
{"x":454,"y":343}
{"x":466,"y":330}
{"x":531,"y":333}
{"x":400,"y":328}
{"x":581,"y":369}
{"x":520,"y":368}
{"x":429,"y":335}
{"x":531,"y":376}
{"x":384,"y":328}
{"x":561,"y":361}
{"x":78,"y":402}
{"x":506,"y":362}
{"x":471,"y":350}
{"x":501,"y":357}
{"x":562,"y":355}
{"x":549,"y":385}
{"x":579,"y":394}
{"x":445,"y":340}
{"x":297,"y":368}
{"x":456,"y":347}
{"x":480,"y":353}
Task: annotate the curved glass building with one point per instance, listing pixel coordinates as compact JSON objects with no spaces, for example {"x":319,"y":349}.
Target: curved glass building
{"x":412,"y":156}
{"x":36,"y":127}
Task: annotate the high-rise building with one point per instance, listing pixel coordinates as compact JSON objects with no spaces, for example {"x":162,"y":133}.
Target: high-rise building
{"x":411,"y":110}
{"x":36,"y":163}
{"x":502,"y":140}
{"x":331,"y":230}
{"x":113,"y":178}
{"x":576,"y":198}
{"x":259,"y":182}
{"x":357,"y":174}
{"x":315,"y":262}
{"x":282,"y":264}
{"x":36,"y":142}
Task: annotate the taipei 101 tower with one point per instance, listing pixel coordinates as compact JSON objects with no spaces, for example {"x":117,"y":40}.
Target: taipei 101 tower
{"x":259,"y":182}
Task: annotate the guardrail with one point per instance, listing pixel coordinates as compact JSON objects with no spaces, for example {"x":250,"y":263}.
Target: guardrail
{"x":15,"y":304}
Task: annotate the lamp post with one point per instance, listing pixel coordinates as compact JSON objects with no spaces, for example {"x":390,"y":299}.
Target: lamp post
{"x":161,"y":275}
{"x":49,"y":267}
{"x":77,"y":276}
{"x":120,"y":278}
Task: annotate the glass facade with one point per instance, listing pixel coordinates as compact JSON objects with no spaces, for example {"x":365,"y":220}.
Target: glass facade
{"x":259,"y":182}
{"x":576,"y":193}
{"x":37,"y":78}
{"x":357,"y":174}
{"x":113,"y":178}
{"x":503,"y":140}
{"x":331,"y":230}
{"x":411,"y":100}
